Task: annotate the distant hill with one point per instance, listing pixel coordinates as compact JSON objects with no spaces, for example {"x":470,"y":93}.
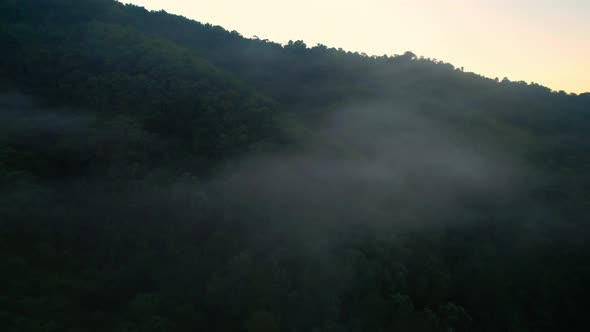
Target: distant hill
{"x":159,"y":174}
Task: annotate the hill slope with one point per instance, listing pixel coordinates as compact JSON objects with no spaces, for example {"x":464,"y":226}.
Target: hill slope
{"x":159,"y":174}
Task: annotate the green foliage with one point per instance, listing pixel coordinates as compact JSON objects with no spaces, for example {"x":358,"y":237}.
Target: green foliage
{"x":261,"y":321}
{"x":109,"y":219}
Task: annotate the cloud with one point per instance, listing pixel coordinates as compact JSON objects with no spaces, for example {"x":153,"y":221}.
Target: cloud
{"x":21,"y":119}
{"x":371,"y":165}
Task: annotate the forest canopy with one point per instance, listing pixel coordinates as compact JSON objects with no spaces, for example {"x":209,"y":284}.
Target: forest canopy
{"x":159,"y":174}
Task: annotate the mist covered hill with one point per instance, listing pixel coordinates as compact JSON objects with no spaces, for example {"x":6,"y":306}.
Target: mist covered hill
{"x":159,"y":174}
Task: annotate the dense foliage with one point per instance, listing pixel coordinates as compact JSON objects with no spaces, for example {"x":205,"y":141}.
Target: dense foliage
{"x":158,"y":174}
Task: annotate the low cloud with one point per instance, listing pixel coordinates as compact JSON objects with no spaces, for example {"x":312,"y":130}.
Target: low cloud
{"x":375,"y":166}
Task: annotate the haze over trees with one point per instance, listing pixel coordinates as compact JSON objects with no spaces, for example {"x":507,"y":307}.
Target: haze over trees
{"x":159,"y":174}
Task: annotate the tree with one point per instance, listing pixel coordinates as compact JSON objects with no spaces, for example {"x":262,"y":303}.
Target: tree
{"x":261,"y":321}
{"x":409,"y":55}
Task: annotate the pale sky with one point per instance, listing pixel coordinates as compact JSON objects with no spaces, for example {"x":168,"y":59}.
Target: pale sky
{"x":543,"y":41}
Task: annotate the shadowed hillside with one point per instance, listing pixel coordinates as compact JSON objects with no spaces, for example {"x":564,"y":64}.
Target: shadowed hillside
{"x":158,"y":174}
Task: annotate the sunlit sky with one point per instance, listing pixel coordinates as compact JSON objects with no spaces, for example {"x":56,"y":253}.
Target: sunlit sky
{"x":543,"y":41}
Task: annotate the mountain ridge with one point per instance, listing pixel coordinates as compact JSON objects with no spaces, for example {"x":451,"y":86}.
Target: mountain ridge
{"x":159,"y":174}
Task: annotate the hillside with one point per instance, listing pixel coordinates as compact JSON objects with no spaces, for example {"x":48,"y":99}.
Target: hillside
{"x":159,"y":174}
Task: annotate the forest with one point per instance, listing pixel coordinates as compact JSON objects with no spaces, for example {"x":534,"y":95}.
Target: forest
{"x":160,"y":174}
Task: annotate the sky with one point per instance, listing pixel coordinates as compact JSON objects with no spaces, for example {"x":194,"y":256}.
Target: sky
{"x":542,"y":41}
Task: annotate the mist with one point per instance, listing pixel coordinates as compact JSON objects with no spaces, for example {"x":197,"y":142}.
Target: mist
{"x":22,"y":117}
{"x":380,"y":167}
{"x":160,"y":174}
